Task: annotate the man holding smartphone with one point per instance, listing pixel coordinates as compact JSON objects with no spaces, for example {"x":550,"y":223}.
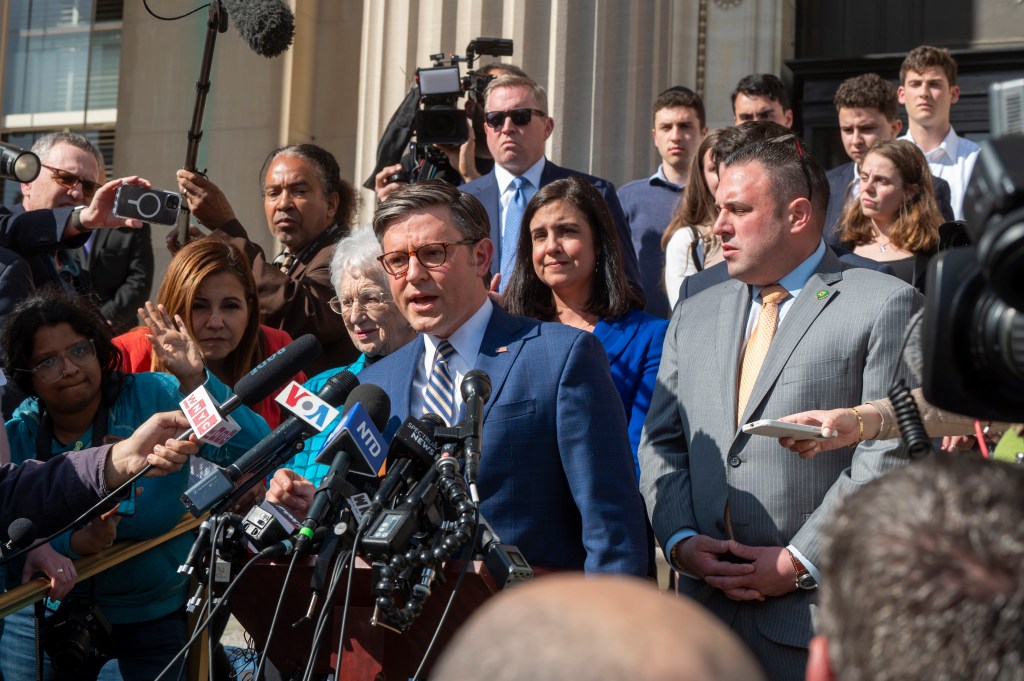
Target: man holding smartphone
{"x":793,"y":328}
{"x":117,"y":265}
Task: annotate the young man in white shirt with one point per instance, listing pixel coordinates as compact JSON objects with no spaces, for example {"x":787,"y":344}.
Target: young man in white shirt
{"x":928,"y":89}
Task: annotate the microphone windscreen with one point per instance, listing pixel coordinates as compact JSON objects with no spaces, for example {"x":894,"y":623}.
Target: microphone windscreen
{"x":21,"y":532}
{"x":374,"y":400}
{"x":476,"y":381}
{"x":338,"y":388}
{"x":267,"y":25}
{"x":276,"y":370}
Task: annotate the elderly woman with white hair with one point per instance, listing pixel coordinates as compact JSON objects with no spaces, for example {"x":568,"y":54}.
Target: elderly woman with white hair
{"x":371,"y":318}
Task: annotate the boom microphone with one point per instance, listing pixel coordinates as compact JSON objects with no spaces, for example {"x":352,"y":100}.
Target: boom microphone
{"x":265,"y":377}
{"x":267,"y":25}
{"x":356,"y":445}
{"x":218,"y":484}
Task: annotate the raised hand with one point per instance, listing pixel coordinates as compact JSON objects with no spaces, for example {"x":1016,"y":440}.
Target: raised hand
{"x":174,"y":346}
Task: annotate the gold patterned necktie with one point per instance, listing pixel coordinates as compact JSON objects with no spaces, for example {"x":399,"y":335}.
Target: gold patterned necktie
{"x":758,"y":344}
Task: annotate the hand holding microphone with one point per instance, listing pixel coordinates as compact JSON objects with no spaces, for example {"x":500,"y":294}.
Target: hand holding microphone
{"x":291,"y":490}
{"x":152,"y":448}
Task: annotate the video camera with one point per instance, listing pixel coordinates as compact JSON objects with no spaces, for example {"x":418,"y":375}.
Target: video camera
{"x":17,"y":164}
{"x":973,"y":328}
{"x":439,"y":119}
{"x":430,"y":113}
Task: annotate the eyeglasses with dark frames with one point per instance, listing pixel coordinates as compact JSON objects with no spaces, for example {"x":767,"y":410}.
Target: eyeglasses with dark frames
{"x":520,"y":117}
{"x":51,"y":369}
{"x":782,"y":139}
{"x":396,"y":263}
{"x":68,"y":180}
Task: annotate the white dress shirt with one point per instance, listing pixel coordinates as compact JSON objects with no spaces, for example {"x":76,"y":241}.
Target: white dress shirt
{"x":953,"y":161}
{"x":466,"y":340}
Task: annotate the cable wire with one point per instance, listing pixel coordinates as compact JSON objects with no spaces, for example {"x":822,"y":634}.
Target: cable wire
{"x":145,"y":3}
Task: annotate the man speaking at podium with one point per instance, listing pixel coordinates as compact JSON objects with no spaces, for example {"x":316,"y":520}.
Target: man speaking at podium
{"x":556,"y":473}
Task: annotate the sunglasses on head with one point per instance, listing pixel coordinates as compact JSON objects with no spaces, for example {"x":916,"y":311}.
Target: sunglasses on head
{"x":519,"y":117}
{"x":68,"y":180}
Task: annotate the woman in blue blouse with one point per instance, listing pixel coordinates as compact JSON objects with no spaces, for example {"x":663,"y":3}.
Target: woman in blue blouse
{"x":60,"y":352}
{"x":569,"y":269}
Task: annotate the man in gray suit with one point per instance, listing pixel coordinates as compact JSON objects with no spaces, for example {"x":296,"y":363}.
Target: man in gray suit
{"x":738,"y":515}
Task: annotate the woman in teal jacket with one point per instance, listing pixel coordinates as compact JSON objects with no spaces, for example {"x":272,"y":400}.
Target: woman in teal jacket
{"x":60,"y":352}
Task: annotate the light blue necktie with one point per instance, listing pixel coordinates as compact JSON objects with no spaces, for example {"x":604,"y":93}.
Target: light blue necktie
{"x":510,"y":237}
{"x":439,"y":397}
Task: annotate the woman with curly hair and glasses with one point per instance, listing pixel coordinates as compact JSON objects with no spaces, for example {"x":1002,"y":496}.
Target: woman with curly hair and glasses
{"x":60,"y":353}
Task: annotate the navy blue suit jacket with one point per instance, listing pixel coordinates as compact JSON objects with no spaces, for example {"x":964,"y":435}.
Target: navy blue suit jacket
{"x":486,"y":189}
{"x":839,"y":180}
{"x":556,"y":477}
{"x":696,"y":283}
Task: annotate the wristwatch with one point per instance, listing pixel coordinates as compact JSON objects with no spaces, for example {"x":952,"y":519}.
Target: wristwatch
{"x":804,"y":579}
{"x":75,"y":219}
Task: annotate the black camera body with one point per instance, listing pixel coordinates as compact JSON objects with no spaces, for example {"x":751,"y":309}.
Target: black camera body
{"x":973,"y":327}
{"x":439,"y":119}
{"x":74,"y":634}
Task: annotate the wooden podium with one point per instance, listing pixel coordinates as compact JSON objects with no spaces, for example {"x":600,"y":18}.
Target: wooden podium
{"x":371,"y":653}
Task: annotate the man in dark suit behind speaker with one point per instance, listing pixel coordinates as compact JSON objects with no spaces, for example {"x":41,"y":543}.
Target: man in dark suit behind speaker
{"x":518,"y":123}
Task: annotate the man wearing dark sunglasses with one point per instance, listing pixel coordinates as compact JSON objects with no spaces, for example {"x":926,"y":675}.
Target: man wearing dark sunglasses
{"x":518,"y":123}
{"x":115,"y":265}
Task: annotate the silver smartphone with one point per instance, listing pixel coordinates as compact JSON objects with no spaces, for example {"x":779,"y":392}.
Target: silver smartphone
{"x":149,"y":205}
{"x":777,"y":429}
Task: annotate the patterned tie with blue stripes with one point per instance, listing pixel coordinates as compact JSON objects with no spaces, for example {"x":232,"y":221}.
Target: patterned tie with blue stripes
{"x":439,"y":397}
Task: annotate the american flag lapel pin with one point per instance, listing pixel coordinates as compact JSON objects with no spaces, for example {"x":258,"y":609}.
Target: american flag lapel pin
{"x":503,"y":348}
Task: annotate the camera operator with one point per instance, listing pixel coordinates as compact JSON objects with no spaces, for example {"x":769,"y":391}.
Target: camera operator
{"x":116,"y":266}
{"x":463,"y":163}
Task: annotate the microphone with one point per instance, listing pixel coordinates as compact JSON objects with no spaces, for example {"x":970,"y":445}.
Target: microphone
{"x":202,"y":410}
{"x":21,"y":532}
{"x":218,"y":484}
{"x":413,"y":450}
{"x":476,"y":390}
{"x":267,"y":25}
{"x":357,"y":445}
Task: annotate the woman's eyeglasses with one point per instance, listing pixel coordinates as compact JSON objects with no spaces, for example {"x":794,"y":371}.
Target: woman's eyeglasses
{"x":51,"y":369}
{"x":520,"y":117}
{"x":68,"y":180}
{"x":367,"y":302}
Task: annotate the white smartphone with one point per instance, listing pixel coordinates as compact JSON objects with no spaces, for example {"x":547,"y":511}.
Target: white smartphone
{"x":777,"y":429}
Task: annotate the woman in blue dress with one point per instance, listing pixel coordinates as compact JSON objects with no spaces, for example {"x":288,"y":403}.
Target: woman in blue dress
{"x":569,"y":269}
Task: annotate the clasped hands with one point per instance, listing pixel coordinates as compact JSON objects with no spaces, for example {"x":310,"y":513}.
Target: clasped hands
{"x":769,"y":572}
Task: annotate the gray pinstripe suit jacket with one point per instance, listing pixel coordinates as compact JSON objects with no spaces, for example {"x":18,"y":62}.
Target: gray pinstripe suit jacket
{"x":837,"y":346}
